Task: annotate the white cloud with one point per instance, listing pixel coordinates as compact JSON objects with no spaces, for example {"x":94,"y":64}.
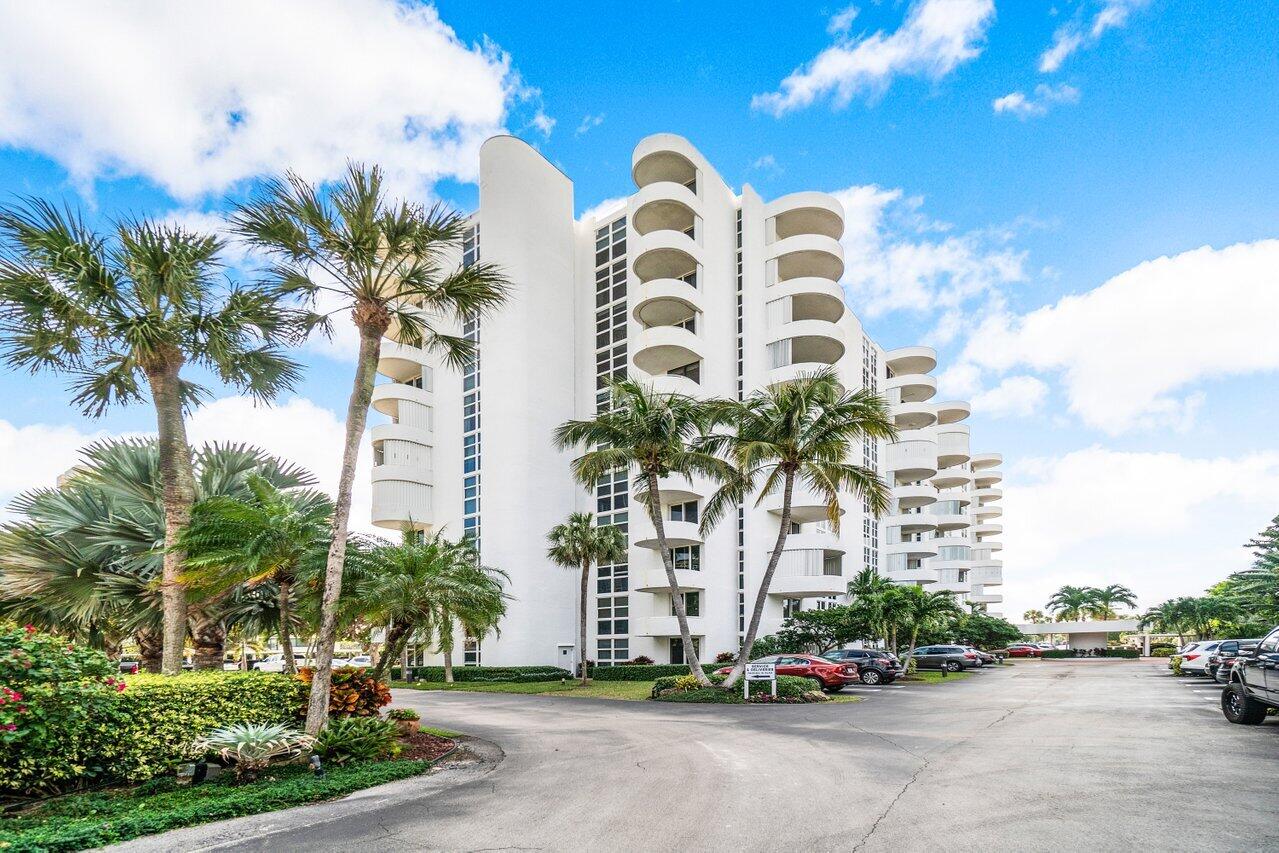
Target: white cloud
{"x":767,"y":163}
{"x":1085,"y":32}
{"x":1019,"y":396}
{"x":297,"y":430}
{"x":935,"y":38}
{"x":896,"y":258}
{"x":589,"y":122}
{"x":608,"y":206}
{"x":1128,"y":347}
{"x":1161,"y":523}
{"x":842,"y":21}
{"x":543,"y":123}
{"x":197,"y":97}
{"x":959,"y":381}
{"x":1045,"y":96}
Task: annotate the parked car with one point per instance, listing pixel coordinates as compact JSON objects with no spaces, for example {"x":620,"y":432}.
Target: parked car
{"x":1025,"y":650}
{"x":949,"y":658}
{"x":832,"y":676}
{"x":874,"y":666}
{"x":275,"y":663}
{"x":1194,"y":658}
{"x":1254,"y":683}
{"x":983,"y":658}
{"x":1047,"y":647}
{"x":1223,"y":658}
{"x":361,"y":661}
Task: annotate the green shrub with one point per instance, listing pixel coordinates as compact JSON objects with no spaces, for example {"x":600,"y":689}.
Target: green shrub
{"x":1059,"y":653}
{"x":1174,"y":663}
{"x":353,"y":691}
{"x":492,"y":674}
{"x":1121,"y":653}
{"x":403,"y":714}
{"x":629,"y":672}
{"x":250,"y":748}
{"x":347,"y":739}
{"x":789,"y":688}
{"x":1162,"y":651}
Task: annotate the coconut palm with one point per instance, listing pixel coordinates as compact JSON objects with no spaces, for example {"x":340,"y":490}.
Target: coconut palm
{"x":426,"y":588}
{"x":266,"y":535}
{"x":1070,"y":603}
{"x":579,"y":544}
{"x":390,"y":264}
{"x":1105,"y":599}
{"x":1166,"y":618}
{"x":1204,"y":614}
{"x":800,"y":432}
{"x":1035,"y":616}
{"x":922,"y":610}
{"x":122,"y":316}
{"x":654,"y":433}
{"x":869,"y":591}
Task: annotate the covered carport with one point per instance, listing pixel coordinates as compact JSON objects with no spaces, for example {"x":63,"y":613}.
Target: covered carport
{"x":1088,"y":635}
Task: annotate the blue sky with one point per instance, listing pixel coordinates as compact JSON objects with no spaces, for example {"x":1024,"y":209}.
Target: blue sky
{"x":1013,"y":173}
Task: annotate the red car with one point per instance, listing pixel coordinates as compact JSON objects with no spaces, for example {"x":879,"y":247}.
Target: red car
{"x":833,"y":676}
{"x":1024,"y":650}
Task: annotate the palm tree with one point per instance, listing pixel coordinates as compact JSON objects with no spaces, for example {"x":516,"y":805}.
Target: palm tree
{"x":388,"y":263}
{"x":654,"y":433}
{"x":1105,"y":599}
{"x":1166,"y":618}
{"x":426,"y":588}
{"x":123,"y":315}
{"x":1070,"y":603}
{"x":920,"y":610}
{"x":579,"y":544}
{"x":1203,"y":613}
{"x":264,"y":536}
{"x":1034,"y":616}
{"x":802,"y":431}
{"x":870,"y":590}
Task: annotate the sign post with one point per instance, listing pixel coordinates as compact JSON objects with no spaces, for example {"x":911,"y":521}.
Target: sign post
{"x":759,"y":672}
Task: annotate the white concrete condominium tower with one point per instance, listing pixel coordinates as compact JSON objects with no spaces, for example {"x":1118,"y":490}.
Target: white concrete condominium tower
{"x":696,"y":290}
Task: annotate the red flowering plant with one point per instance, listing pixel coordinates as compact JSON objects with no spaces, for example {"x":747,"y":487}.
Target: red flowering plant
{"x":53,"y":695}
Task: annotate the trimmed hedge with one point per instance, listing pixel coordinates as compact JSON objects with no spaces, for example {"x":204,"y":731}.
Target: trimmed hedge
{"x":789,"y":689}
{"x":633,"y":672}
{"x":1105,"y":653}
{"x":489,"y":674}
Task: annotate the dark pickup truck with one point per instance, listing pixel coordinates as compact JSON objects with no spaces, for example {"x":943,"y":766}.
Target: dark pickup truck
{"x":1254,"y":683}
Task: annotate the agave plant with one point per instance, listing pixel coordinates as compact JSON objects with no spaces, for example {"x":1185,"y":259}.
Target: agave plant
{"x":252,"y":747}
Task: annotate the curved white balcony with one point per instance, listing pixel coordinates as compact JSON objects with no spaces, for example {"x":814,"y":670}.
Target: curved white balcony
{"x":907,"y":416}
{"x":911,"y":522}
{"x":810,"y":299}
{"x":912,"y":460}
{"x":952,"y":445}
{"x":913,"y":497}
{"x":400,"y":504}
{"x":811,"y":340}
{"x":958,"y":587}
{"x":678,"y":489}
{"x":388,"y":395}
{"x":806,"y":213}
{"x":806,"y":507}
{"x":807,"y":586}
{"x":986,"y":495}
{"x":400,"y":432}
{"x":987,"y":511}
{"x":986,"y":598}
{"x":665,"y":157}
{"x":663,"y":348}
{"x":919,"y":576}
{"x":950,"y":478}
{"x":987,"y":529}
{"x":664,"y":204}
{"x":953,"y":411}
{"x":987,"y":477}
{"x":990,"y":544}
{"x":987,"y":575}
{"x":926,"y":548}
{"x":668,"y":626}
{"x":671,"y":383}
{"x":667,"y":302}
{"x":796,"y":370}
{"x":400,"y":362}
{"x":807,"y":256}
{"x":815,"y":541}
{"x":951,"y":539}
{"x":949,"y":522}
{"x":911,"y":387}
{"x":664,"y":254}
{"x":678,"y":533}
{"x":904,"y":360}
{"x":982,"y":461}
{"x":654,"y":580}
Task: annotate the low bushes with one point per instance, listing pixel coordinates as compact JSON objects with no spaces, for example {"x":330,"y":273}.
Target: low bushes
{"x":685,"y":688}
{"x":489,"y":674}
{"x":354,"y":693}
{"x":634,"y":672}
{"x":349,"y":739}
{"x":1162,"y":651}
{"x":1097,"y":653}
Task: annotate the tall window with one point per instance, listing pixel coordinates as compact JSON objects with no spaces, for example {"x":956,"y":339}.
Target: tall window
{"x":684,"y":512}
{"x":471,"y":410}
{"x":687,"y":558}
{"x":692,"y":604}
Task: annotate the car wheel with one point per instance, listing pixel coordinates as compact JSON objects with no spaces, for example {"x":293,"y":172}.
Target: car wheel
{"x":870,"y":676}
{"x":954,"y":666}
{"x":1241,"y":708}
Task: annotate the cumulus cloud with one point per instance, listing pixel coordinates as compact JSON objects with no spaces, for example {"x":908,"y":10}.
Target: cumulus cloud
{"x":197,"y":97}
{"x":842,"y":21}
{"x":897,"y":258}
{"x":1038,"y":104}
{"x":607,"y":207}
{"x":32,"y":457}
{"x":589,"y":122}
{"x":1163,"y":523}
{"x":1019,"y":396}
{"x":1128,"y":350}
{"x":1088,"y":26}
{"x":935,"y":38}
{"x":543,"y":123}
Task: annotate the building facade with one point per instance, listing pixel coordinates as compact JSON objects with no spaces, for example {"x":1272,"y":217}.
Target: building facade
{"x":700,"y":291}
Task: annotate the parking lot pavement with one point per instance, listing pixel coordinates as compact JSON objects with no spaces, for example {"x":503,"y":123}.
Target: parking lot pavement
{"x":1053,"y":755}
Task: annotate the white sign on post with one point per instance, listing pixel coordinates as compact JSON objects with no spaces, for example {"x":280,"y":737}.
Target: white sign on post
{"x":759,"y":672}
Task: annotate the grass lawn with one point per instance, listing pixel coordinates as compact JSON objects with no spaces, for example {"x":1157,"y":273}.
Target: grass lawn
{"x":439,"y":732}
{"x":934,"y":676}
{"x":627,"y":690}
{"x":82,"y":821}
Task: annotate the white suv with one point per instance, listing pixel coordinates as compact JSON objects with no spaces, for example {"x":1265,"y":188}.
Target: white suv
{"x":1194,"y":657}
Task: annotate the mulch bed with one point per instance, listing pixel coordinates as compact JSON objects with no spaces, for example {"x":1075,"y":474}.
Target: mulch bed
{"x":425,"y":747}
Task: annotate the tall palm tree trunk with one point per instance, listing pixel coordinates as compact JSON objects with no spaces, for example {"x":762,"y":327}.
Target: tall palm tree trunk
{"x":910,"y":655}
{"x":208,"y":637}
{"x":150,"y":648}
{"x":178,"y":479}
{"x":757,"y":614}
{"x":357,"y":412}
{"x":391,"y":651}
{"x":284,"y":586}
{"x":448,"y":665}
{"x":681,"y":613}
{"x":581,"y":616}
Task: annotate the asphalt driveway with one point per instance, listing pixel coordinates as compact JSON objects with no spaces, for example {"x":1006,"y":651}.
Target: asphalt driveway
{"x":1088,"y":755}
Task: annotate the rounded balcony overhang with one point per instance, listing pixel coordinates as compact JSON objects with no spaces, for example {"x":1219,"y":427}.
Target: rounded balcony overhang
{"x":811,"y":340}
{"x":807,"y":586}
{"x":678,"y":489}
{"x":922,"y":550}
{"x":908,"y":416}
{"x":664,"y":215}
{"x":678,"y":535}
{"x":808,"y":256}
{"x":913,"y":497}
{"x":400,"y":362}
{"x":952,"y":445}
{"x":673,"y":383}
{"x":911,"y":522}
{"x":988,"y":529}
{"x":950,"y":478}
{"x":982,"y":461}
{"x":668,"y":626}
{"x":985,"y":495}
{"x":666,"y":302}
{"x":388,"y":395}
{"x":662,"y":193}
{"x":811,"y":298}
{"x":911,"y":360}
{"x":828,"y":543}
{"x":988,"y":511}
{"x":912,"y":460}
{"x":661,"y":349}
{"x":797,"y":370}
{"x":654,"y":580}
{"x":920,"y":576}
{"x":912,"y":387}
{"x":806,"y":507}
{"x":663,"y":157}
{"x":665,"y":254}
{"x":987,"y":477}
{"x":953,"y":521}
{"x":399,"y":432}
{"x":806,"y":213}
{"x":953,"y":411}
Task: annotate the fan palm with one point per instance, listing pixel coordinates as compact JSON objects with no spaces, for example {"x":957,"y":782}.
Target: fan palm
{"x":801,"y":432}
{"x":579,"y":544}
{"x":388,"y":263}
{"x":426,"y":588}
{"x":123,"y":315}
{"x":922,"y":610}
{"x":265,"y":535}
{"x":1104,"y":600}
{"x":1070,"y":603}
{"x":654,"y":433}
